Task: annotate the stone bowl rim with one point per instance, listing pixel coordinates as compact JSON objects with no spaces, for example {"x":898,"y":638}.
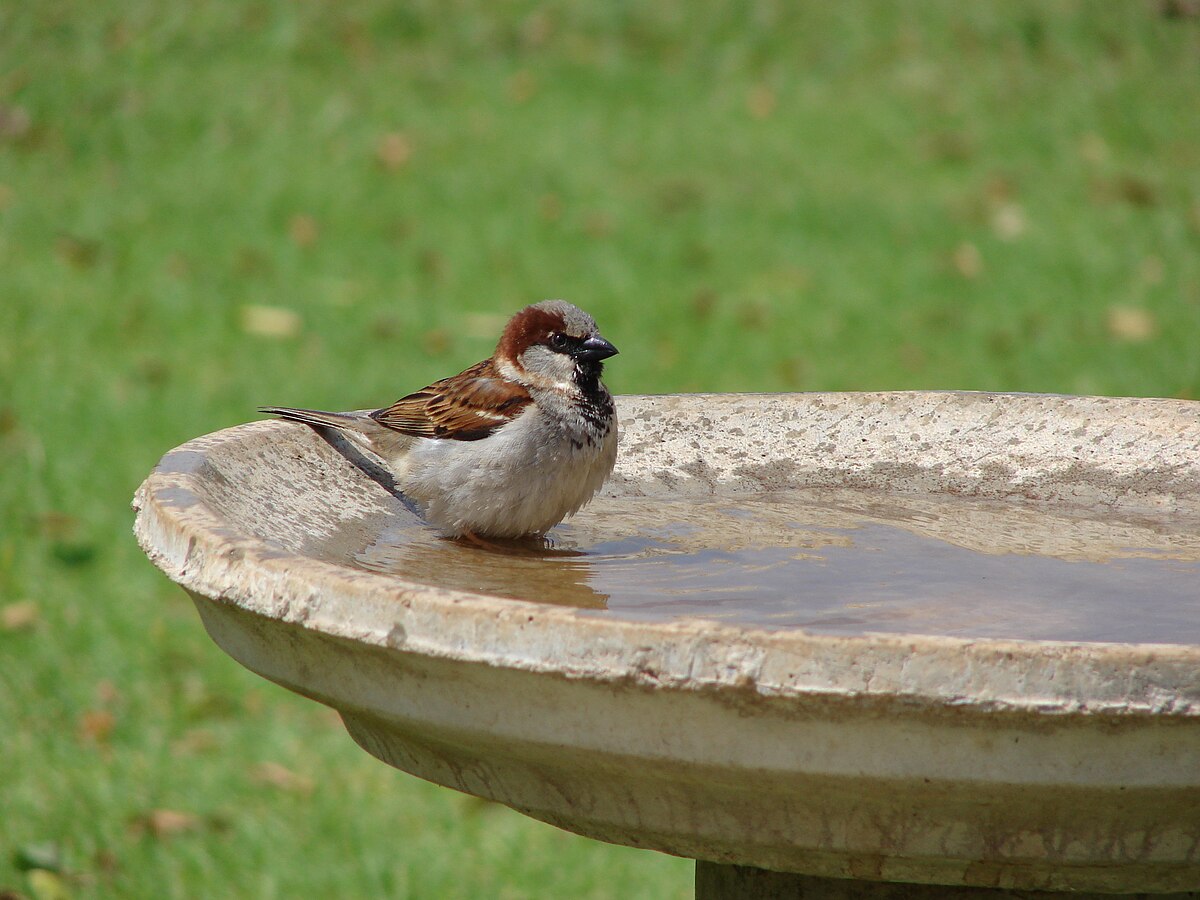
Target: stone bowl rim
{"x":188,"y":541}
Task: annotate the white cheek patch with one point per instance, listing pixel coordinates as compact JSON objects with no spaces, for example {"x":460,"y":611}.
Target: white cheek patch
{"x":541,"y":367}
{"x":508,"y":370}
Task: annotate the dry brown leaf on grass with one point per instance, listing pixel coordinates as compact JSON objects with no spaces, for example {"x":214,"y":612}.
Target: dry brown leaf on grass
{"x":47,"y":885}
{"x":967,"y":261}
{"x":270,"y":321}
{"x":393,"y":150}
{"x":19,"y":616}
{"x":164,"y":823}
{"x":96,"y":726}
{"x":1008,"y":221}
{"x":276,"y":775}
{"x":1131,"y":324}
{"x":761,"y":101}
{"x":303,"y":230}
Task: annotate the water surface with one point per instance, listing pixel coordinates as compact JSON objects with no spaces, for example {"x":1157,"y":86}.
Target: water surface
{"x":835,"y":561}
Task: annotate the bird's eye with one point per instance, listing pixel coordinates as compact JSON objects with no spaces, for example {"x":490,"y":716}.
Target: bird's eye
{"x":559,"y":341}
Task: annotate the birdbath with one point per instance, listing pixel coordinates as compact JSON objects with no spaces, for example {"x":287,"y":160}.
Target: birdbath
{"x":827,"y":645}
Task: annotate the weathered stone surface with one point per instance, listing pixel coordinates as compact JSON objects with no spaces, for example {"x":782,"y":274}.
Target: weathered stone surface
{"x":1012,"y":764}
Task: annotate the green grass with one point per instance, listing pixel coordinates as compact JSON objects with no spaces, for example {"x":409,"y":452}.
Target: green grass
{"x":763,"y":196}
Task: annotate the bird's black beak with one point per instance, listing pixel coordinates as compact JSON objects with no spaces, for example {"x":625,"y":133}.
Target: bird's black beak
{"x":594,"y":348}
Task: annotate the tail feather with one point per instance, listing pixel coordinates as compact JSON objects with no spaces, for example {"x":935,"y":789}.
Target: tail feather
{"x":357,"y":427}
{"x":316,"y":417}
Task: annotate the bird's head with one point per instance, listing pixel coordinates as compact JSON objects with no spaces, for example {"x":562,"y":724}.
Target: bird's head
{"x":553,"y":343}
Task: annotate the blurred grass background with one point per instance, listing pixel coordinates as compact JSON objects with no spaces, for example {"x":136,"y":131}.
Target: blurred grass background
{"x":208,"y":206}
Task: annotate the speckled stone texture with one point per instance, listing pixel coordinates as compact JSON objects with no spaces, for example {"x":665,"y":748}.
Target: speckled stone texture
{"x":998,"y":764}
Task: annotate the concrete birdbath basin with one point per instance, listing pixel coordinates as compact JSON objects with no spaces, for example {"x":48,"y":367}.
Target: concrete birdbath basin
{"x":928,"y":638}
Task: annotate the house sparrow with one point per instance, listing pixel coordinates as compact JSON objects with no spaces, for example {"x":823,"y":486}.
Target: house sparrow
{"x":511,"y":445}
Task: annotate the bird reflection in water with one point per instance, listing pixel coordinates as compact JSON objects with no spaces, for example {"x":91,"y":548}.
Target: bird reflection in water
{"x":533,"y":568}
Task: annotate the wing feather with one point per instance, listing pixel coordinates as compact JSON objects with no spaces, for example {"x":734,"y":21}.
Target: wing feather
{"x":465,"y":407}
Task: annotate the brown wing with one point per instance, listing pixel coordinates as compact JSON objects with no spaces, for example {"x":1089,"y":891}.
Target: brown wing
{"x":464,"y":407}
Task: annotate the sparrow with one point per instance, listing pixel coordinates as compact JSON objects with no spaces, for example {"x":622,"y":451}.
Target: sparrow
{"x":508,"y":447}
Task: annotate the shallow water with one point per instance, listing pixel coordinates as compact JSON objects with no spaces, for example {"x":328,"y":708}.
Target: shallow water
{"x":840,"y":562}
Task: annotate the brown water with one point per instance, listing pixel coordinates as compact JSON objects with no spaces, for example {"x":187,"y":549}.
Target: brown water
{"x":835,"y":561}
